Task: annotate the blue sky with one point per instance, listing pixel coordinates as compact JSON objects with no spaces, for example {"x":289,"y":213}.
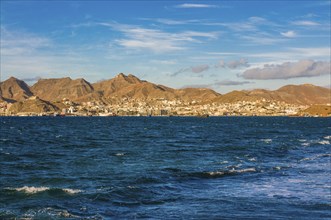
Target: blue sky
{"x":223,"y":45}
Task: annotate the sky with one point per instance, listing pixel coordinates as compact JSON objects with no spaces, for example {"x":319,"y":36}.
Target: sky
{"x":222,"y":45}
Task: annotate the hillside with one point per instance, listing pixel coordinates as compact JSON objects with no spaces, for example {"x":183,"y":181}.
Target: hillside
{"x":33,"y":104}
{"x":320,"y":110}
{"x":304,"y":94}
{"x":130,"y":87}
{"x":14,"y":89}
{"x":58,"y":89}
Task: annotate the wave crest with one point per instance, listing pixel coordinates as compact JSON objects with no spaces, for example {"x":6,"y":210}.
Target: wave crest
{"x":33,"y":189}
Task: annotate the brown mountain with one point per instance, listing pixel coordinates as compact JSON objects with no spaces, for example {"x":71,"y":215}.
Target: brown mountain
{"x":14,"y":89}
{"x":197,"y":94}
{"x":131,"y":87}
{"x":320,"y":110}
{"x":33,"y":104}
{"x":304,"y":94}
{"x":58,"y":89}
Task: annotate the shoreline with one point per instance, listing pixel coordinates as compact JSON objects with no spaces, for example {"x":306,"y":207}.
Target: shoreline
{"x":165,"y":116}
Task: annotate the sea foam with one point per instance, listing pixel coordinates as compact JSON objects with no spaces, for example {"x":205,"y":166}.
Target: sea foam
{"x":33,"y":189}
{"x":233,"y":171}
{"x":324,"y":142}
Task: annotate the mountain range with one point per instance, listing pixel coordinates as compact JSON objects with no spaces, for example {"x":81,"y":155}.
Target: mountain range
{"x":130,"y":87}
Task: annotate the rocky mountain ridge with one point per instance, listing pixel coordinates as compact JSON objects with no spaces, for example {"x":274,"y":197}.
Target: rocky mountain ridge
{"x":130,"y":87}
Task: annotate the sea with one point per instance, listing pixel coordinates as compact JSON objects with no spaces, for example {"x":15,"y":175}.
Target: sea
{"x":165,"y":168}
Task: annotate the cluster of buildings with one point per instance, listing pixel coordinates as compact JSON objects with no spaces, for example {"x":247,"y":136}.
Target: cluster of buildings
{"x":163,"y":107}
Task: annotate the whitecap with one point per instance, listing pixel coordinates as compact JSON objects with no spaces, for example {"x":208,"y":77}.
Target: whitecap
{"x":316,"y":157}
{"x":119,"y":154}
{"x":328,"y":137}
{"x":71,"y":191}
{"x":252,"y":159}
{"x":324,"y":142}
{"x":267,"y":140}
{"x":31,"y":189}
{"x":306,"y":144}
{"x":245,"y":170}
{"x":216,"y":173}
{"x":232,"y":171}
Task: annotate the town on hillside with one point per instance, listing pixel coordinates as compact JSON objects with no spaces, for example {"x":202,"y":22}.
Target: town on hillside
{"x":127,"y":95}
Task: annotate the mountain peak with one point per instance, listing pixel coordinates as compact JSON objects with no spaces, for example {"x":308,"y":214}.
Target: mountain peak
{"x":14,"y":89}
{"x":12,"y":79}
{"x":120,"y":75}
{"x":131,"y":79}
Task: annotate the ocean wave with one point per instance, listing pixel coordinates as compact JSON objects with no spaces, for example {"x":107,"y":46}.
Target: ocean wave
{"x":316,"y":157}
{"x":324,"y":142}
{"x":48,"y":213}
{"x":328,"y":137}
{"x":33,"y":189}
{"x":267,"y":140}
{"x":228,"y":172}
{"x":321,"y":142}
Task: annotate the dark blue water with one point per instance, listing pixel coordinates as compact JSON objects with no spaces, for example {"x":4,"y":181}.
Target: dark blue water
{"x":165,"y":168}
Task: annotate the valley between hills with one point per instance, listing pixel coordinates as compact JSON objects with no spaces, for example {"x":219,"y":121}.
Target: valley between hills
{"x":127,"y":95}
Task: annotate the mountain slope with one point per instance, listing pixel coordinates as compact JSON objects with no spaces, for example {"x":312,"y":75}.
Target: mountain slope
{"x":130,"y":86}
{"x":14,"y":89}
{"x":304,"y":94}
{"x":58,"y":89}
{"x":33,"y":104}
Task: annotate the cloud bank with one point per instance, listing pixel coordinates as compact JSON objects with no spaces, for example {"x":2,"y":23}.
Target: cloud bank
{"x":218,"y":84}
{"x":233,"y":64}
{"x":155,"y":40}
{"x":187,"y":5}
{"x":231,"y":83}
{"x":287,"y":70}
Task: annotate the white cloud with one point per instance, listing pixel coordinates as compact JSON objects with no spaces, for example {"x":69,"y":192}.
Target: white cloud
{"x":289,"y":34}
{"x":262,"y":39}
{"x":313,"y":51}
{"x":187,"y":5}
{"x":287,"y":70}
{"x":156,"y":40}
{"x":232,"y":64}
{"x":231,"y":83}
{"x":18,"y":43}
{"x":295,"y":53}
{"x":25,"y":54}
{"x":173,"y":21}
{"x":164,"y":62}
{"x":305,"y":23}
{"x":237,"y":63}
{"x":218,"y":84}
{"x":199,"y":69}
